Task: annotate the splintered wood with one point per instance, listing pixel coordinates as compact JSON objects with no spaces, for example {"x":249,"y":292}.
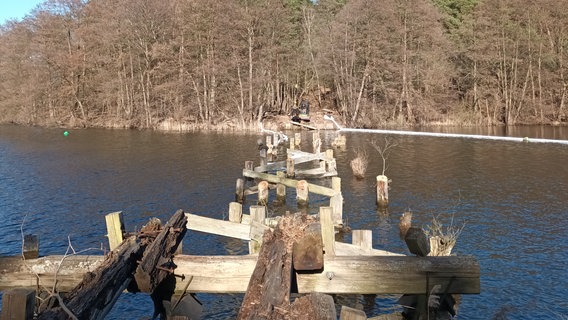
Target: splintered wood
{"x":268,"y":292}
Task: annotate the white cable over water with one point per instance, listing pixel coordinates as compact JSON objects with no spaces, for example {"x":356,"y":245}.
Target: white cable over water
{"x":447,"y":135}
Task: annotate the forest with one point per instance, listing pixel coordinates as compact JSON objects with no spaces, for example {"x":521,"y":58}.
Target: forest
{"x":138,"y":63}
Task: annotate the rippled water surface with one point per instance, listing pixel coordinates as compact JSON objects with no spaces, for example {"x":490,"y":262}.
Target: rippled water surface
{"x":512,"y":198}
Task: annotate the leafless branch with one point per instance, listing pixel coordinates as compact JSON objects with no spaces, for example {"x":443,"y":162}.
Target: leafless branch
{"x":384,"y":150}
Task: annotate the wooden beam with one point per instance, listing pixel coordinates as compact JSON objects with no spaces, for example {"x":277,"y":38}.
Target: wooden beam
{"x":347,"y":249}
{"x":291,"y":183}
{"x":18,"y":273}
{"x":380,"y":274}
{"x":218,"y":227}
{"x":303,"y":157}
{"x":230,"y":274}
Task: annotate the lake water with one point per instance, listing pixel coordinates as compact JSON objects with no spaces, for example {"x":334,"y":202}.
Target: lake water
{"x":512,"y":199}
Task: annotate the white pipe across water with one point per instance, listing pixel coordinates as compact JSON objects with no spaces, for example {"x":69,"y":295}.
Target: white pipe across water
{"x":446,"y":135}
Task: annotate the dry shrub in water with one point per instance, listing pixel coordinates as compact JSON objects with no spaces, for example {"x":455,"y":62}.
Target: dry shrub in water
{"x":359,"y":164}
{"x":442,"y":239}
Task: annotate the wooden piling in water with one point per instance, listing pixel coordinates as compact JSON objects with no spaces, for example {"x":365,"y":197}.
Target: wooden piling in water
{"x":290,"y":167}
{"x":235,"y":212}
{"x":240,"y":191}
{"x":262,"y":193}
{"x":292,"y":145}
{"x":316,"y":142}
{"x":302,"y":193}
{"x":298,"y":138}
{"x":281,"y":189}
{"x":249,"y":165}
{"x":31,"y":246}
{"x":382,"y":191}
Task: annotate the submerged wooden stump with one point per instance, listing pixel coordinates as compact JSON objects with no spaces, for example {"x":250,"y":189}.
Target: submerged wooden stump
{"x":382,"y":191}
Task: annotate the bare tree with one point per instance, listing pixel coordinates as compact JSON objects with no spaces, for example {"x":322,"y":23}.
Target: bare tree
{"x":384,"y":151}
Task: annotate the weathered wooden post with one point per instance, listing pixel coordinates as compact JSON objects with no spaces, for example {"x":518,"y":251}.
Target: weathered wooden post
{"x":115,"y":229}
{"x":290,"y":167}
{"x":240,"y":191}
{"x":292,"y":144}
{"x":382,"y":191}
{"x":31,"y":246}
{"x":302,"y":193}
{"x":298,"y":138}
{"x":336,"y":201}
{"x":363,"y":239}
{"x":263,"y":155}
{"x":281,"y":188}
{"x":262,"y":193}
{"x":258,"y":214}
{"x":249,"y":165}
{"x":235,"y":212}
{"x":257,"y":217}
{"x":316,"y":142}
{"x":327,"y":230}
{"x":18,"y":304}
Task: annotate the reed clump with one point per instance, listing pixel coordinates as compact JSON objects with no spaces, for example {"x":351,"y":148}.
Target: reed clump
{"x":359,"y":164}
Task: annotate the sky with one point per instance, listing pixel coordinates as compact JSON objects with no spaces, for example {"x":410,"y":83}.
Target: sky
{"x":16,"y":8}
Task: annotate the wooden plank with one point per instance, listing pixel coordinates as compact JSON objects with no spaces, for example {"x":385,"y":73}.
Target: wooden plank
{"x":230,"y":274}
{"x":17,"y":273}
{"x":400,"y":275}
{"x":218,"y":227}
{"x":347,"y":249}
{"x":303,"y":157}
{"x":291,"y":183}
{"x":271,"y":166}
{"x":215,"y":274}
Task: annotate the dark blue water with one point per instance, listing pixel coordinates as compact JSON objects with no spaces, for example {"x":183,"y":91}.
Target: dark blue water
{"x":512,"y":199}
